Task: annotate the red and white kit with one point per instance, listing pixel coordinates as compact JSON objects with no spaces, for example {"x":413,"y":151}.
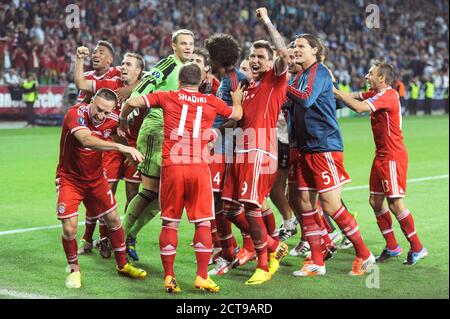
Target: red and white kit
{"x":185,"y":175}
{"x":112,"y":73}
{"x":79,"y":177}
{"x":113,"y":161}
{"x":389,"y":168}
{"x":251,"y":176}
{"x":319,"y":172}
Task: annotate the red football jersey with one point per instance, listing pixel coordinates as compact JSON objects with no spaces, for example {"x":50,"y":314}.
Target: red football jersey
{"x":188,"y":119}
{"x":112,"y":84}
{"x":386,"y":120}
{"x":77,"y":163}
{"x":262,"y":104}
{"x":113,"y":72}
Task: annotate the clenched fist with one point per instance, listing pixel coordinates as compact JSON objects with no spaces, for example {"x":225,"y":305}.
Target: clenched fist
{"x":82,"y":52}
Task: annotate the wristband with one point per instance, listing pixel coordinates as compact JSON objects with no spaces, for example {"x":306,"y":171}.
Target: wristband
{"x":266,"y":20}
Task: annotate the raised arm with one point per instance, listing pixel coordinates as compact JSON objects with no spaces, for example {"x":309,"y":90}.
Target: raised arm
{"x":351,"y":102}
{"x":79,"y":78}
{"x":282,"y":60}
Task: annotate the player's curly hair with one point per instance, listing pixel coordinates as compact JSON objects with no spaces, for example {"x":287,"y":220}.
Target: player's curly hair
{"x":223,"y":50}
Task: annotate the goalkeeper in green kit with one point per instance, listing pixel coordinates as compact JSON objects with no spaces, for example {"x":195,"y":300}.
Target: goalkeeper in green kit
{"x":162,"y":77}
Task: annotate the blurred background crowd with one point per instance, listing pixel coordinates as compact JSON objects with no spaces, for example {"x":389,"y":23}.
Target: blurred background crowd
{"x":412,"y":34}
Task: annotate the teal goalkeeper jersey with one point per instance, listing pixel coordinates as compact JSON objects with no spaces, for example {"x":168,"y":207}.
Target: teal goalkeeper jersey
{"x":162,"y":77}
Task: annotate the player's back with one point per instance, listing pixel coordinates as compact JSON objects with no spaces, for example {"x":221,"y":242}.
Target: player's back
{"x":188,"y":119}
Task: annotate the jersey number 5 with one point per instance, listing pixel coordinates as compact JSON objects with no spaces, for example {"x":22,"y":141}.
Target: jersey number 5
{"x":197,"y":122}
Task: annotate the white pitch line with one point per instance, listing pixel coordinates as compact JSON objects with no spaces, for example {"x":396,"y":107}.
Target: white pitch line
{"x":22,"y":295}
{"x":26,"y":230}
{"x":413,"y":180}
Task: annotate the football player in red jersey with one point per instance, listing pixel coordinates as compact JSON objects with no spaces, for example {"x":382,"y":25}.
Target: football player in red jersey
{"x":388,"y":174}
{"x":80,"y":178}
{"x":185,"y":176}
{"x":250,"y":178}
{"x":224,"y":52}
{"x":114,"y":163}
{"x":102,"y":58}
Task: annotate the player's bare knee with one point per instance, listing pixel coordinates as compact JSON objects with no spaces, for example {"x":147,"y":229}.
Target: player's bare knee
{"x":396,"y":205}
{"x":112,"y":220}
{"x":69,"y":228}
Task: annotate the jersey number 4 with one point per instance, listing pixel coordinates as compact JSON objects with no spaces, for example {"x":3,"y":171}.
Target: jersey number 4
{"x":197,"y":122}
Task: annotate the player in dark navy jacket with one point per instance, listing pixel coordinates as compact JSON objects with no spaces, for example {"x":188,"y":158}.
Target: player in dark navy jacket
{"x":320,"y":170}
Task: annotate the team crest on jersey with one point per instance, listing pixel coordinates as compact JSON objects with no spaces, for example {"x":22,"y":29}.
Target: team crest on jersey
{"x":106,"y":134}
{"x":156,"y":74}
{"x":61,"y":208}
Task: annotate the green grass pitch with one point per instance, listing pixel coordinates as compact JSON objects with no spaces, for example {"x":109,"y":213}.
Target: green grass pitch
{"x":33,"y":263}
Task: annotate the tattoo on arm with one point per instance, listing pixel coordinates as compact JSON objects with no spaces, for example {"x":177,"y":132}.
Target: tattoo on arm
{"x":280,"y":47}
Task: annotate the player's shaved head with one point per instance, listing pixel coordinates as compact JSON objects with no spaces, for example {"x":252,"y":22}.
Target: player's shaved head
{"x":223,"y":50}
{"x":190,"y":75}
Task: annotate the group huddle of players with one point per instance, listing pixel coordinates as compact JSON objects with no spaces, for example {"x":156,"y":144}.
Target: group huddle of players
{"x":204,"y":136}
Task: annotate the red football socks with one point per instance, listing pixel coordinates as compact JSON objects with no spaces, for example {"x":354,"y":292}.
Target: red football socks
{"x":117,"y":238}
{"x":407,"y":224}
{"x":71,"y":249}
{"x":168,"y":242}
{"x":202,"y":247}
{"x":384,"y":222}
{"x":349,"y":227}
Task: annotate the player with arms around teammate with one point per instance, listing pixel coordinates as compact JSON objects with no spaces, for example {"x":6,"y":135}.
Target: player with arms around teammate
{"x":79,"y":178}
{"x":388,"y":174}
{"x":320,"y":165}
{"x":185,"y":176}
{"x":162,"y":77}
{"x":224,"y":54}
{"x":114,"y":164}
{"x":251,"y":176}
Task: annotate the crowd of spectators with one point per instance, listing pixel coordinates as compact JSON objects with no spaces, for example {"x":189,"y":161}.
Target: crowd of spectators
{"x":37,"y":36}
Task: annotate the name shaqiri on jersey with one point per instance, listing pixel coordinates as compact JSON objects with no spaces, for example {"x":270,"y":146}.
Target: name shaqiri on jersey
{"x":188,"y":119}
